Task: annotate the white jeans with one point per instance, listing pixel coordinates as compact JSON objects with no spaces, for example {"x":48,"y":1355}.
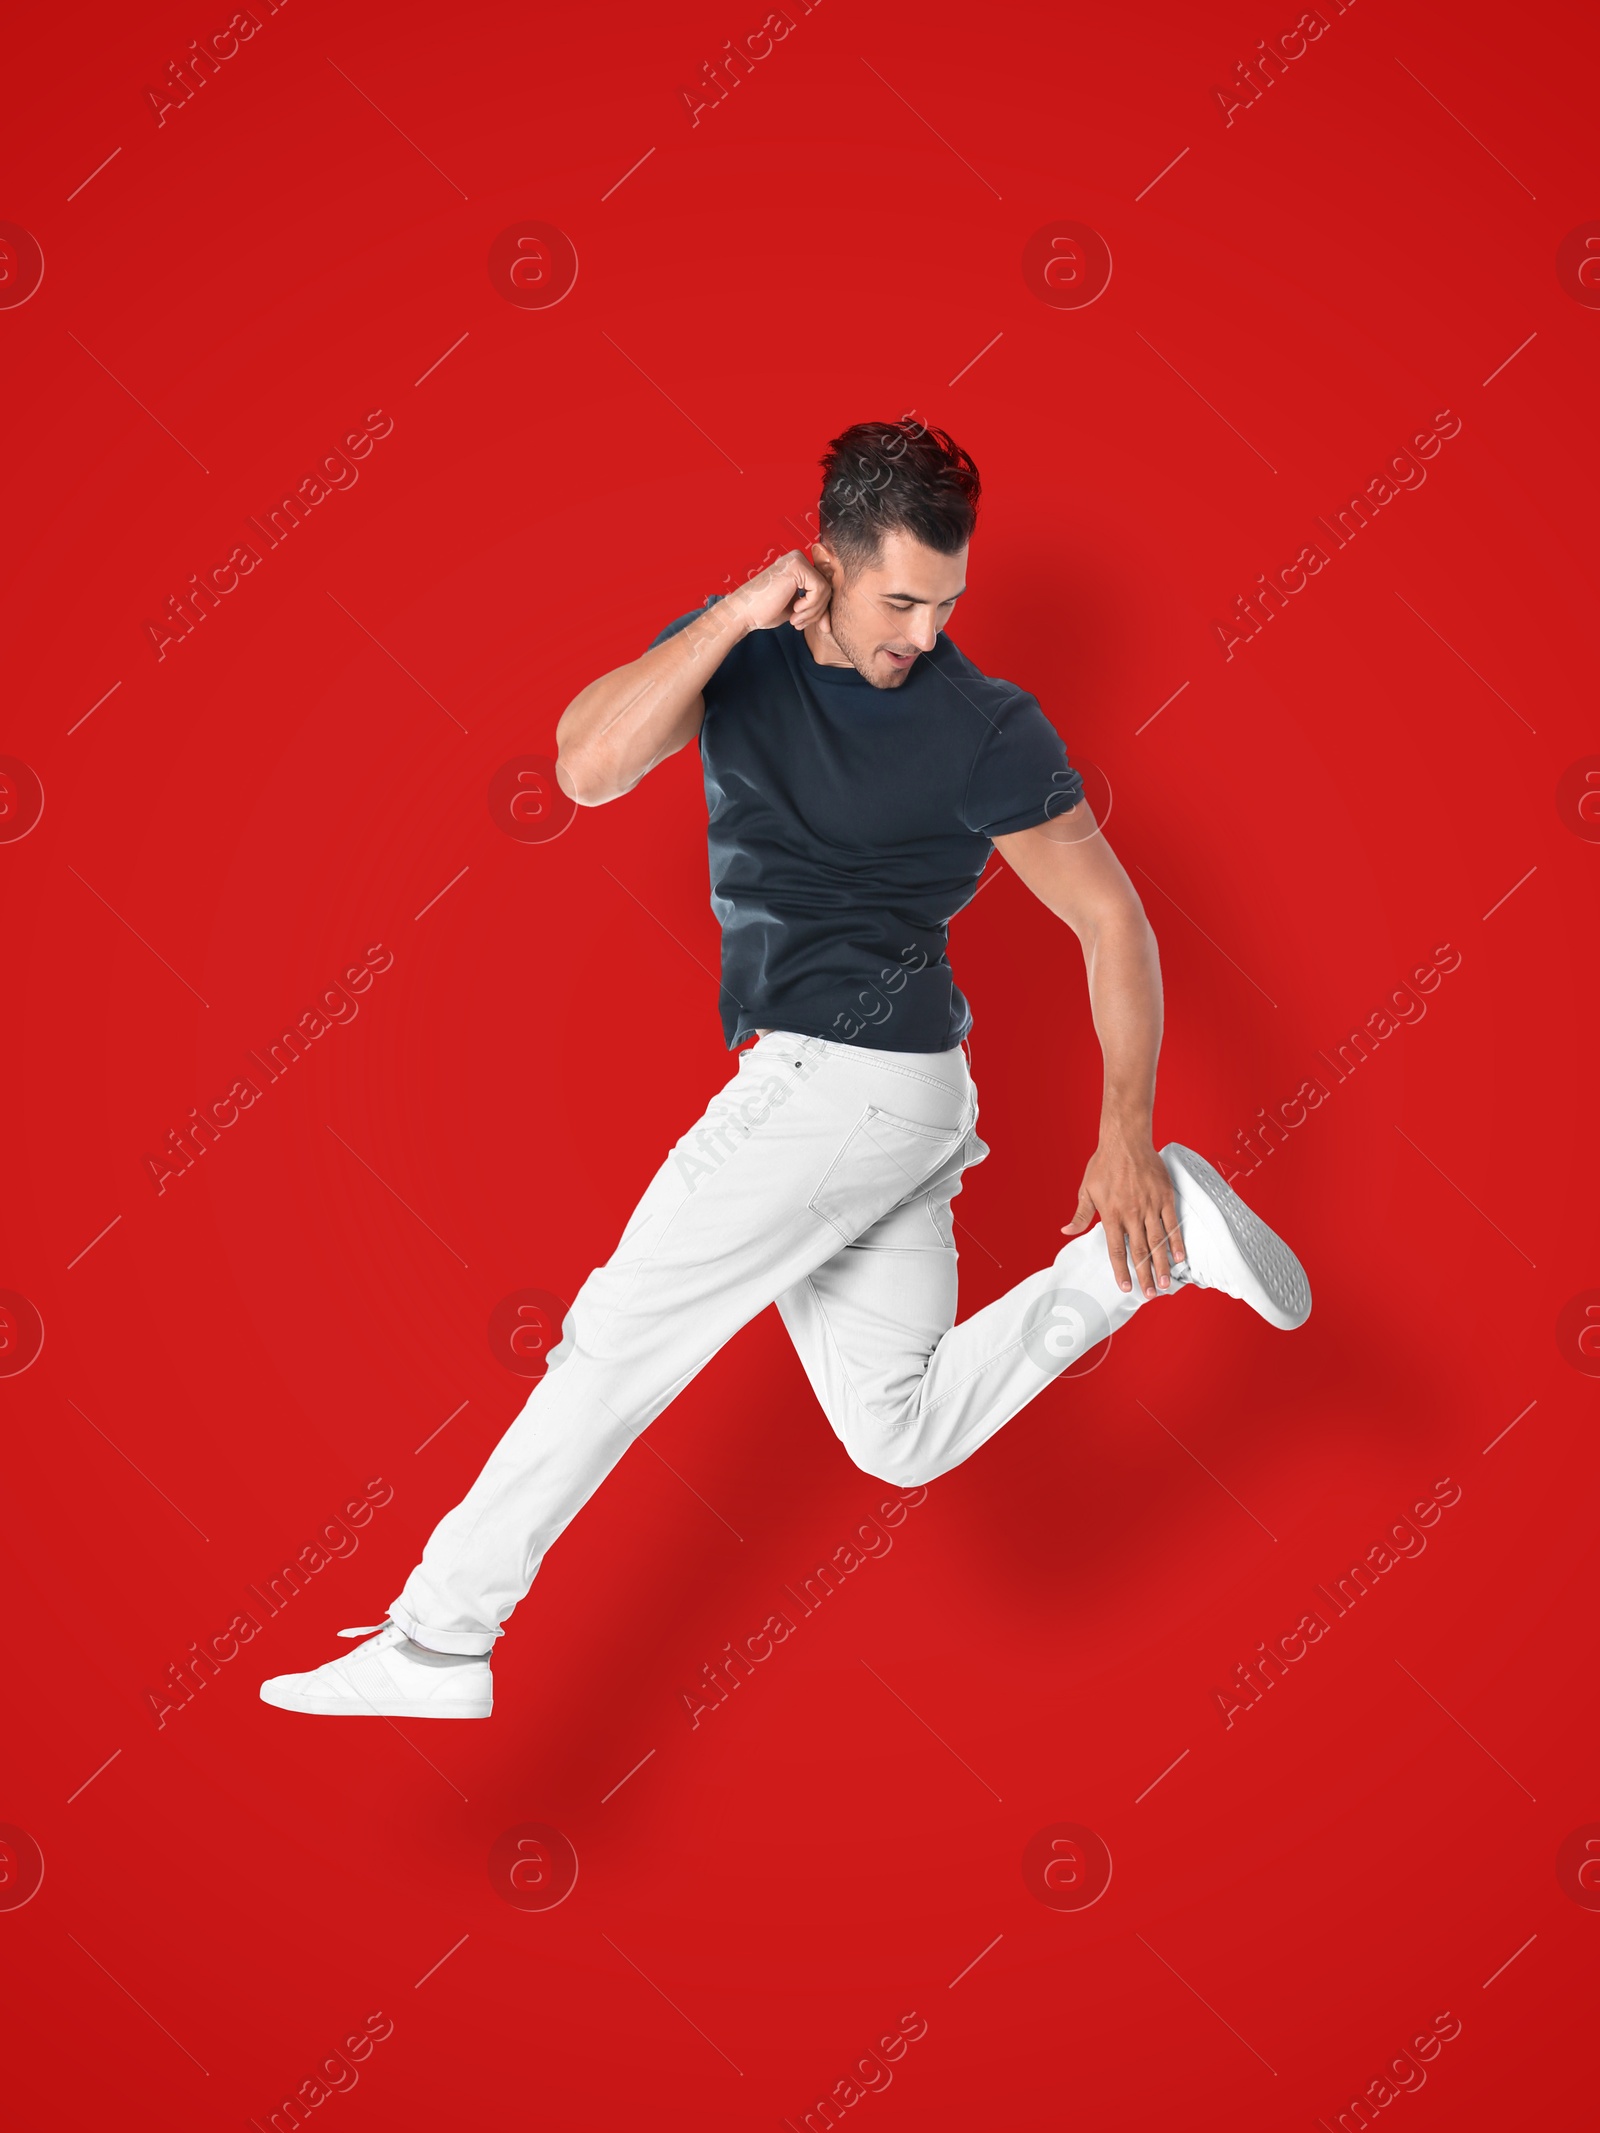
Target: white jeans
{"x":820,"y":1179}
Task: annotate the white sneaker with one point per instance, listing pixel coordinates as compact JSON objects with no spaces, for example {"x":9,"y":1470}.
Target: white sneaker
{"x":387,"y":1677}
{"x":1232,"y":1249}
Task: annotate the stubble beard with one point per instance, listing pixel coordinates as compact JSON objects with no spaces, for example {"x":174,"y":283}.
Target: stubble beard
{"x":863,"y":666}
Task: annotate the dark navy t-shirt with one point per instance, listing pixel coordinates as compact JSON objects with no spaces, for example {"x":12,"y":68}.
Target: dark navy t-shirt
{"x":848,"y":825}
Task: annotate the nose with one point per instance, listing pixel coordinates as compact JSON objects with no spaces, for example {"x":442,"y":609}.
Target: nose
{"x":923,"y":633}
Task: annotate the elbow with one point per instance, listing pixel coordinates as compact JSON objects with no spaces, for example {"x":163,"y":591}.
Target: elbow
{"x":581,"y":772}
{"x":579,"y":778}
{"x":1122,"y":924}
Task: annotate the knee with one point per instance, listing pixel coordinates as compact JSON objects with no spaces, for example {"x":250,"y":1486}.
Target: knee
{"x":898,"y":1460}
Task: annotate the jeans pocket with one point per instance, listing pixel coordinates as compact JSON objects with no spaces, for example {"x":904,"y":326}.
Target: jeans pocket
{"x":884,"y":1160}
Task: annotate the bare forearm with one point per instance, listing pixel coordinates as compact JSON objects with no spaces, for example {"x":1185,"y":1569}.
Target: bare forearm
{"x":1126,"y":1183}
{"x":620,"y":726}
{"x":1124,"y":970}
{"x":1069,"y":866}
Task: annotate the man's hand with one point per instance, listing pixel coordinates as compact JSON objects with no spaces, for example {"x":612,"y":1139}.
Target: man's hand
{"x":791,"y":590}
{"x":1127,"y":1186}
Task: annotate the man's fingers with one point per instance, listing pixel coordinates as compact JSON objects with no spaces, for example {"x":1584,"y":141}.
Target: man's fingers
{"x":814,"y":594}
{"x":789,"y":590}
{"x":1081,"y":1220}
{"x":1111,"y":1225}
{"x":1169,"y":1221}
{"x":1156,"y":1246}
{"x":1138,"y":1253}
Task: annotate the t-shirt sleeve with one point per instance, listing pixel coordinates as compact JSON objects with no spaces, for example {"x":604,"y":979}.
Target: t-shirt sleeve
{"x":682,"y":623}
{"x":673,"y":628}
{"x":1020,"y":776}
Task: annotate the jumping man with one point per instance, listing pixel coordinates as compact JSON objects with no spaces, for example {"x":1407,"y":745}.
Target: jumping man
{"x":858,"y":770}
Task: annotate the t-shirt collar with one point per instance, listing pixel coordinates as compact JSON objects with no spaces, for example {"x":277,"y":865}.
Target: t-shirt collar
{"x":848,"y":677}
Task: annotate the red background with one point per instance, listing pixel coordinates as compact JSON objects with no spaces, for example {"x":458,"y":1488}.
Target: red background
{"x":1372,"y":777}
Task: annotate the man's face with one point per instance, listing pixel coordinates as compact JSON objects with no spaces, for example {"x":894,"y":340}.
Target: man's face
{"x":892,"y":609}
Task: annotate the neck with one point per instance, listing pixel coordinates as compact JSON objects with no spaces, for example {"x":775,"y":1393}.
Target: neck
{"x":824,"y":647}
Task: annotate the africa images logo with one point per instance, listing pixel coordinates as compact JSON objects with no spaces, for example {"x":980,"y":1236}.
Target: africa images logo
{"x":1061,"y":1327}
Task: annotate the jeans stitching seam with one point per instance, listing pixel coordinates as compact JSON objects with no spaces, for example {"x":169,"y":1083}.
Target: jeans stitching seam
{"x":954,"y":1136}
{"x":862,"y":1409}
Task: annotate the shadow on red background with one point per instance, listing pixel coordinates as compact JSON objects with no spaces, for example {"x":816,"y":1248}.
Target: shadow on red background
{"x":1301,"y":1883}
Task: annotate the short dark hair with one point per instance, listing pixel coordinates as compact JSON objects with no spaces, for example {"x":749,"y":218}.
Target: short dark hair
{"x":896,"y":477}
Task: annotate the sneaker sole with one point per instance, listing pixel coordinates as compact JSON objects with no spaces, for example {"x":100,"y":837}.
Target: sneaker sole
{"x":1283,"y":1294}
{"x":337,"y":1707}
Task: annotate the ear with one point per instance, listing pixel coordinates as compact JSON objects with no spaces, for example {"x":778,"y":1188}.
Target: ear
{"x":827,"y":562}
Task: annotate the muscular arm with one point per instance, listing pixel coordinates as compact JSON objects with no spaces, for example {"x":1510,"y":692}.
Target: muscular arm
{"x":1069,"y":866}
{"x":621,"y":726}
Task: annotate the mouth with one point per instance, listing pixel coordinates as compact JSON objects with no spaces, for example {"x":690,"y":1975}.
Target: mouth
{"x":900,"y":661}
